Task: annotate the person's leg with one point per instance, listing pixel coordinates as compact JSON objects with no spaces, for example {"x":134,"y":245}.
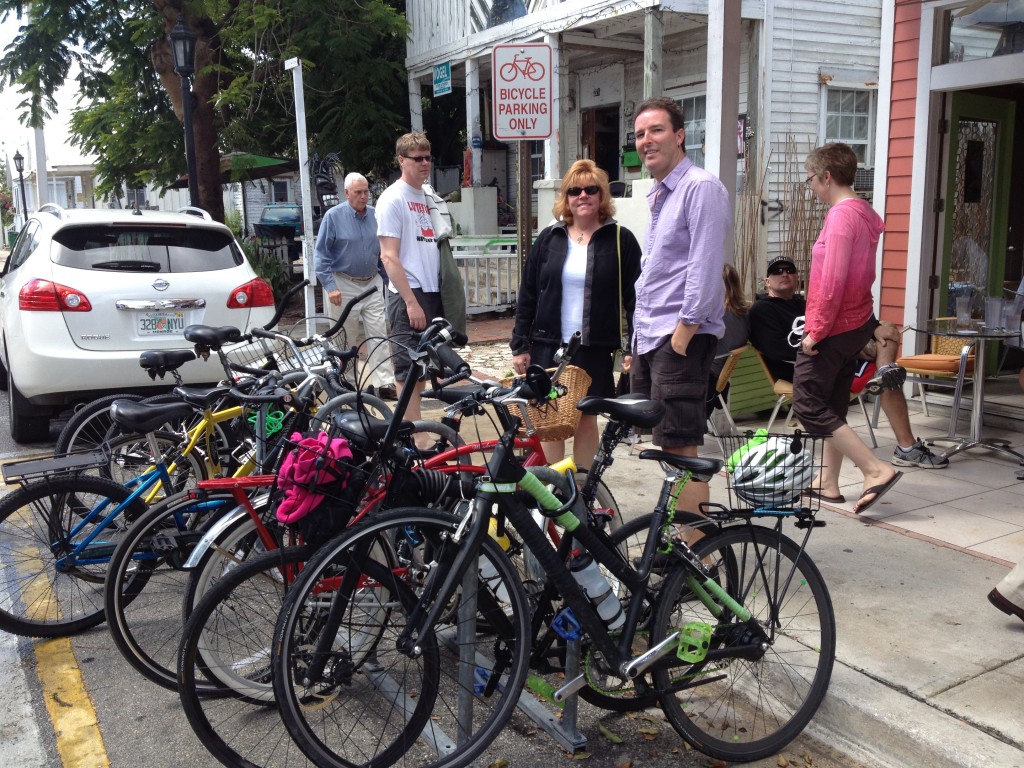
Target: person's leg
{"x":680,"y":383}
{"x":584,"y":442}
{"x":876,"y":473}
{"x":1008,"y":594}
{"x":353,"y":327}
{"x":910,"y":452}
{"x":373,"y":316}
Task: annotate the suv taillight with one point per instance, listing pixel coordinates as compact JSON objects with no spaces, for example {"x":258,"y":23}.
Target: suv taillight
{"x":255,"y":293}
{"x":45,"y":296}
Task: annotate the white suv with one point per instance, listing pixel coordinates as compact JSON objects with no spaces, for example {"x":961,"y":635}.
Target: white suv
{"x":85,"y":291}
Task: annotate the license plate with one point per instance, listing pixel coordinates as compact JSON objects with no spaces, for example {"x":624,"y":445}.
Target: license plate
{"x":161,"y":323}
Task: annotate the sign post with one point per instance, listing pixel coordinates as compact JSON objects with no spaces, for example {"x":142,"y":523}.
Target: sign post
{"x":521,"y":77}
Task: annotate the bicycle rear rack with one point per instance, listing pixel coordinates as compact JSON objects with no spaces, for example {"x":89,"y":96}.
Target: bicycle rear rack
{"x":72,"y":463}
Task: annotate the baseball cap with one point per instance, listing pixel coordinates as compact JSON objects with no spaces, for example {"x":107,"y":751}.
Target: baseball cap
{"x":779,"y":260}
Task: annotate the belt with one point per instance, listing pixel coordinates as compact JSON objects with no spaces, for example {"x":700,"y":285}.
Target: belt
{"x":357,"y":279}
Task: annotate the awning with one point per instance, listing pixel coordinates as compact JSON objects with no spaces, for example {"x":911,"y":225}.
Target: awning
{"x":242,"y":166}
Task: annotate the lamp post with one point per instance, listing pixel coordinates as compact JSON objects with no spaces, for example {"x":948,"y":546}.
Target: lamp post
{"x":19,"y":166}
{"x":183,"y":48}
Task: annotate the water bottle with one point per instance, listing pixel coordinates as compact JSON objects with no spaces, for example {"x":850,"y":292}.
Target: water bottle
{"x":596,"y":587}
{"x":488,"y":574}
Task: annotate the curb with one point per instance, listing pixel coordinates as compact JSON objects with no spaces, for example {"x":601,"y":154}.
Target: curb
{"x":888,"y":728}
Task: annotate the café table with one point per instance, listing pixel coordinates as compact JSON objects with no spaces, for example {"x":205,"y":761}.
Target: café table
{"x":978,"y":333}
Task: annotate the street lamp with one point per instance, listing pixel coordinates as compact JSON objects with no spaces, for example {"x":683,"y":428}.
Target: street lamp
{"x":183,"y":48}
{"x":19,"y":166}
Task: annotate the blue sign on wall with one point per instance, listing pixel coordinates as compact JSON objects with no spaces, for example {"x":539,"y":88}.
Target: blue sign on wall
{"x":442,"y":79}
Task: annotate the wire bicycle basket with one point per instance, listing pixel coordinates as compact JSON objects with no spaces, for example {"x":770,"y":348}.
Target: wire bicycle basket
{"x":769,"y":472}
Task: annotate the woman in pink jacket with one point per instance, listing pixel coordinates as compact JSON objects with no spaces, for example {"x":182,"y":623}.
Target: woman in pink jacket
{"x":839,"y":321}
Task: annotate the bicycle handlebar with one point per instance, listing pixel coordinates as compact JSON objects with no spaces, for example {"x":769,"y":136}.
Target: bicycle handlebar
{"x":284,"y":303}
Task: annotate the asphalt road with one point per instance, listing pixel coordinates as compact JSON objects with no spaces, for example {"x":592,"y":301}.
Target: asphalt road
{"x":141,"y":724}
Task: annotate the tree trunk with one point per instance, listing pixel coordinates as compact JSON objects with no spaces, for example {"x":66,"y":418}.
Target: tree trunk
{"x":204,"y":118}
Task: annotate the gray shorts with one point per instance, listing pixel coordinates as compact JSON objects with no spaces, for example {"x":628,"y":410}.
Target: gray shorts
{"x":401,"y":335}
{"x":680,"y":383}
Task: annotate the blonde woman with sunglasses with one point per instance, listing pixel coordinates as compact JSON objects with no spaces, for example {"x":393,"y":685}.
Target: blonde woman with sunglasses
{"x":579,"y":276}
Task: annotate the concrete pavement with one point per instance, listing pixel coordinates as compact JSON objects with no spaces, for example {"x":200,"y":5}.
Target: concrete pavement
{"x":927,"y":673}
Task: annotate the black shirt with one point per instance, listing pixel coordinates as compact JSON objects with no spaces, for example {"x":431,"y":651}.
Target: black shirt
{"x":771,"y":320}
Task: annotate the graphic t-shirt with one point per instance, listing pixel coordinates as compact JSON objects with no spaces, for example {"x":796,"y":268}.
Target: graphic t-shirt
{"x":402,"y":212}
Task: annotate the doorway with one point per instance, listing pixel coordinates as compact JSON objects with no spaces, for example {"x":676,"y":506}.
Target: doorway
{"x":978,"y":254}
{"x":600,"y":138}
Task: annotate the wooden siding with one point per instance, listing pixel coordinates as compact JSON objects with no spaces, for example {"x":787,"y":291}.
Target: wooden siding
{"x":906,"y":32}
{"x":803,"y":42}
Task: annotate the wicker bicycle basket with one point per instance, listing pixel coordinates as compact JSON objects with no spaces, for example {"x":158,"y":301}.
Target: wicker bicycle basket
{"x":771,"y":472}
{"x":558,"y":419}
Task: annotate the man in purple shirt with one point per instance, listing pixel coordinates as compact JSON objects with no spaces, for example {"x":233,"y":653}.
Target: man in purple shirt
{"x":680,"y":296}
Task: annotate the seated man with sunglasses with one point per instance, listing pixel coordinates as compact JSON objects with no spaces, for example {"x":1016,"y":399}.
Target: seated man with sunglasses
{"x":771,"y":323}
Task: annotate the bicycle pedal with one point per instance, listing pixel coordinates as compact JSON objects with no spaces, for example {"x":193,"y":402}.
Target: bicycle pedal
{"x":567,"y":626}
{"x":694,"y":642}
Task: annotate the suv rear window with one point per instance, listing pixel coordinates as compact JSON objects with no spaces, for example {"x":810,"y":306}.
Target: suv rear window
{"x":285,"y":215}
{"x":139,"y":248}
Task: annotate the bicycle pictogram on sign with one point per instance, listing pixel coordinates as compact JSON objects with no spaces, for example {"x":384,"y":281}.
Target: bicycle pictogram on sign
{"x":524,"y":66}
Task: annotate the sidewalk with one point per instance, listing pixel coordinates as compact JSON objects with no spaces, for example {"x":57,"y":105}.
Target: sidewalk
{"x":927,"y":672}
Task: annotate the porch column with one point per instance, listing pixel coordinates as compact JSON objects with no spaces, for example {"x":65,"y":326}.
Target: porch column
{"x":415,"y":104}
{"x":559,"y":85}
{"x":723,"y":102}
{"x":474,"y":129}
{"x":653,"y":38}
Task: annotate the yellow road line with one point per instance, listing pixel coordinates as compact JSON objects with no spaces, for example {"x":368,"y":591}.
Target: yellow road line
{"x":79,"y":741}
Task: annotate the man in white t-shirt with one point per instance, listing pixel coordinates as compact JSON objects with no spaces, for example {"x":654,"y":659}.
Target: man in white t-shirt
{"x":408,"y":249}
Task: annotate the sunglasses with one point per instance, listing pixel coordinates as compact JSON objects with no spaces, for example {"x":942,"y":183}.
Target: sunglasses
{"x":418,"y":158}
{"x":782,"y":271}
{"x":591,"y":190}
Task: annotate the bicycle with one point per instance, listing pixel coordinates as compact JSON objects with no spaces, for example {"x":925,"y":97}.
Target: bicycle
{"x":468,"y":696}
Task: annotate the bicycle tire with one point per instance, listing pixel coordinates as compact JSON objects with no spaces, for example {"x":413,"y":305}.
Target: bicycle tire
{"x":41,"y":597}
{"x":145,"y":623}
{"x":130,"y":457}
{"x":223,"y":642}
{"x":359,"y":728}
{"x":738,"y":709}
{"x":87,"y":428}
{"x":234,"y":546}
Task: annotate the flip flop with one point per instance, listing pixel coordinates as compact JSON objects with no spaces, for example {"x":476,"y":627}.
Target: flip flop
{"x":811,"y":493}
{"x":878,"y":490}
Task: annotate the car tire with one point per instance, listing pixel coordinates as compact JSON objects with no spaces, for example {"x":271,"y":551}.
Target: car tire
{"x":27,"y":426}
{"x":3,"y":373}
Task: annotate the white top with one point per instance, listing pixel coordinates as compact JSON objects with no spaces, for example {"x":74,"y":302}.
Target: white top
{"x":574,"y":279}
{"x":402,"y":212}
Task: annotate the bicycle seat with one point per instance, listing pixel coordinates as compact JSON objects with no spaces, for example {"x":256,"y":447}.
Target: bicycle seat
{"x":211,"y":337}
{"x":147,"y":417}
{"x":159,"y":362}
{"x":702,"y":469}
{"x":629,"y":409}
{"x":202,"y":396}
{"x":362,"y":430}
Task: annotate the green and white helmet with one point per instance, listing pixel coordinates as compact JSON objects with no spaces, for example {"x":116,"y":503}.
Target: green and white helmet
{"x":772,"y":475}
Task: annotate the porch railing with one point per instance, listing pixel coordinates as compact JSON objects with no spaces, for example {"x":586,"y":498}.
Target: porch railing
{"x":490,"y":270}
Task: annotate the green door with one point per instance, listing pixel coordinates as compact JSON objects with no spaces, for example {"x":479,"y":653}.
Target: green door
{"x":977,"y":204}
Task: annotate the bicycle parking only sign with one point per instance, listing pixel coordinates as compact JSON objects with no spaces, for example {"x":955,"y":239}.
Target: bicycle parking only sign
{"x":521,"y":77}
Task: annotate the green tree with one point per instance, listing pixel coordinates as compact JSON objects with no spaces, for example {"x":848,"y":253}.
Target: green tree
{"x":130,"y":96}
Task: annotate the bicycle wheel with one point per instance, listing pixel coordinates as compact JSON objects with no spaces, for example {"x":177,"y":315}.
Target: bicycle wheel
{"x":46,"y":589}
{"x":146,"y":623}
{"x":87,"y":427}
{"x":371,"y":702}
{"x":130,"y":457}
{"x":762,"y":680}
{"x":226,"y":642}
{"x":235,"y":545}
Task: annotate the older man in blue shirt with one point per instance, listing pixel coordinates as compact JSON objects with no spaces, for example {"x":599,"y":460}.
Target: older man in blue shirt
{"x":680,"y":296}
{"x":346,"y":259}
